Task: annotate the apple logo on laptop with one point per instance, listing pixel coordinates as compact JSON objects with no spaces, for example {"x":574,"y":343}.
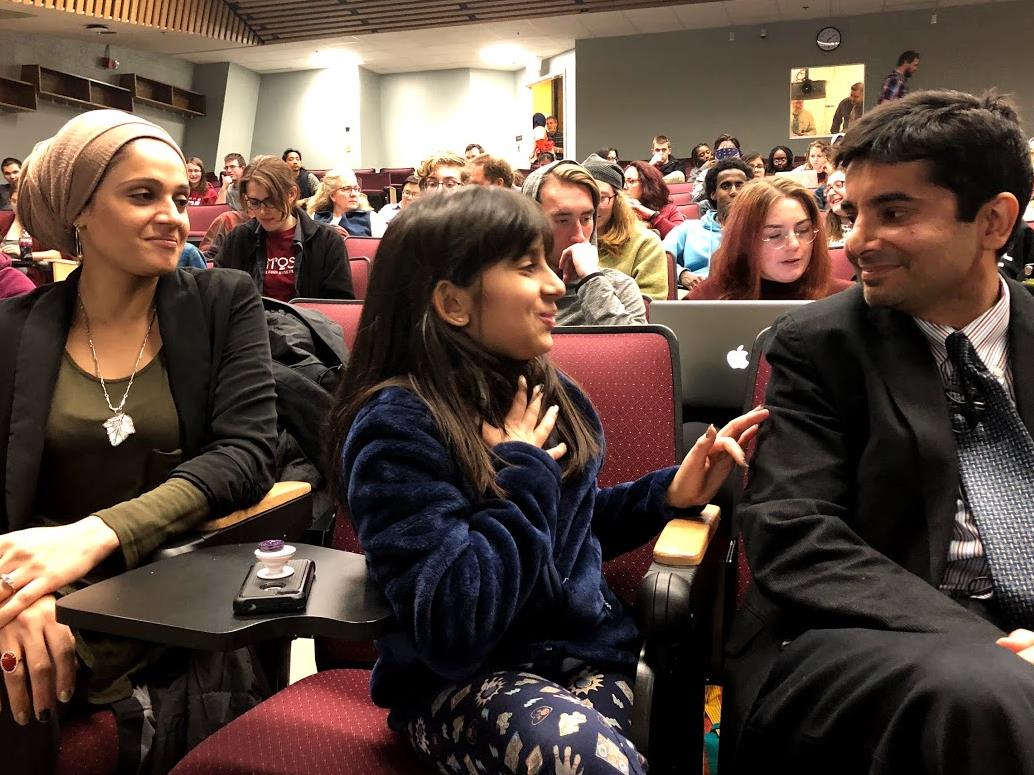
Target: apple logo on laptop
{"x":738,"y":358}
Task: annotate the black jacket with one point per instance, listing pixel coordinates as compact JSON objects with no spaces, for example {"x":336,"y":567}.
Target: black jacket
{"x":851,"y":505}
{"x":321,"y":266}
{"x":216,"y":352}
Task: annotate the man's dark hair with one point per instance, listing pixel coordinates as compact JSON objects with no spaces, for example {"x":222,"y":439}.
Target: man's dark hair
{"x":235,"y":157}
{"x":290,"y":151}
{"x":722,"y":138}
{"x":495,"y":168}
{"x":474,"y":145}
{"x":907,"y":56}
{"x":711,"y":178}
{"x":10,"y":160}
{"x":411,"y":179}
{"x":974,"y":145}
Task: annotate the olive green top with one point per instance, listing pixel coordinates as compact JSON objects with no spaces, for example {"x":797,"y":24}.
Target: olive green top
{"x":126,"y":486}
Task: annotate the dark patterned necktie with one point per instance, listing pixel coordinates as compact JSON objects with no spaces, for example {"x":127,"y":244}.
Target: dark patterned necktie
{"x":996,"y":461}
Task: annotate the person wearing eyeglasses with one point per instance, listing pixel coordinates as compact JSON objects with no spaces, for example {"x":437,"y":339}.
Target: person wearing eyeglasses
{"x":287,"y":254}
{"x":410,"y":193}
{"x":337,"y":202}
{"x":770,"y":249}
{"x":838,"y":223}
{"x":442,"y":171}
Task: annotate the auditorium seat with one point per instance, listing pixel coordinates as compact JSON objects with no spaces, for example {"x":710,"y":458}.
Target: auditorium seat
{"x":6,"y":219}
{"x":360,"y":268}
{"x":680,"y":188}
{"x":673,"y":279}
{"x":201,"y":217}
{"x":364,"y":170}
{"x":691,"y":210}
{"x":344,"y":312}
{"x":362,"y":247}
{"x":681,"y":198}
{"x":842,"y":268}
{"x":318,"y":173}
{"x":327,"y":722}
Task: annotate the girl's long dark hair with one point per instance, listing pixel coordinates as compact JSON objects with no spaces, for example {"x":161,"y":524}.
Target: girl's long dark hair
{"x":403,"y":342}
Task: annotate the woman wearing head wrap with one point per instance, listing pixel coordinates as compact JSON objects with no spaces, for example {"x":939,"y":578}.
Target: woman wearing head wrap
{"x":121,"y":424}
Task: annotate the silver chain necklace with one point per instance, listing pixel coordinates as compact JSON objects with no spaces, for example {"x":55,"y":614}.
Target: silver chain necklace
{"x":120,"y":425}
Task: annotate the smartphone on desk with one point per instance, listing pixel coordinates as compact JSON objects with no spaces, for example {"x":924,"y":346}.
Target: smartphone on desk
{"x":270,"y":596}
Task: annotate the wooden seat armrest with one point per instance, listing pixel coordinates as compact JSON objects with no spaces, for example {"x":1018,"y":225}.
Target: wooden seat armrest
{"x":683,"y":542}
{"x":281,"y":493}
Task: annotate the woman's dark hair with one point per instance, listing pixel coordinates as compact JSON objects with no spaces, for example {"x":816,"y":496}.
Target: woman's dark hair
{"x":973,"y":145}
{"x":722,"y":138}
{"x":605,"y":153}
{"x":693,"y":155}
{"x":538,"y":120}
{"x":655,"y":191}
{"x":290,"y":151}
{"x":402,"y":341}
{"x":789,"y":159}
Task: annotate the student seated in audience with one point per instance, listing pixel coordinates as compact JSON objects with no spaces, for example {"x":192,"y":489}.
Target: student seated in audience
{"x":11,"y":169}
{"x":441,"y":171}
{"x":555,"y":135}
{"x":888,"y":625}
{"x":819,"y":160}
{"x":673,"y":170}
{"x":780,"y":159}
{"x":698,"y":157}
{"x":13,"y":282}
{"x":772,"y":248}
{"x":624,"y":242}
{"x":691,"y":243}
{"x":229,"y":192}
{"x":725,"y":147}
{"x":757,"y":163}
{"x":546,"y":157}
{"x":596,"y":296}
{"x":287,"y":254}
{"x":11,"y":245}
{"x":138,"y":399}
{"x":648,"y":196}
{"x":337,"y":203}
{"x":838,"y":223}
{"x":224,"y":223}
{"x":202,"y":192}
{"x":488,"y":170}
{"x":610,"y":154}
{"x":410,"y":193}
{"x":468,"y":465}
{"x":472,"y":151}
{"x":307,"y":182}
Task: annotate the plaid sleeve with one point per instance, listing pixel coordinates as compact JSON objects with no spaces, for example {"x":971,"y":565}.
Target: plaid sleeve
{"x":892,"y":87}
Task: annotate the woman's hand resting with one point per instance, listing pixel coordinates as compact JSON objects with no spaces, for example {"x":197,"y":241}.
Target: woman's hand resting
{"x":526,"y":422}
{"x":41,"y":560}
{"x":711,"y":459}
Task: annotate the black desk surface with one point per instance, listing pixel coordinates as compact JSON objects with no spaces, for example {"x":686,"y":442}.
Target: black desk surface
{"x":187,"y":601}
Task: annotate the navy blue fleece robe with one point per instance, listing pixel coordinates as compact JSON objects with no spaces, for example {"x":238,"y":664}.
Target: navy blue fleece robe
{"x":477,"y":582}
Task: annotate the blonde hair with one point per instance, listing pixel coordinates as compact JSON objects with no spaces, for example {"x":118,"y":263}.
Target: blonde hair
{"x":574,"y":174}
{"x":332,"y":181}
{"x":621,"y":226}
{"x":275,"y":176}
{"x":436,"y":160}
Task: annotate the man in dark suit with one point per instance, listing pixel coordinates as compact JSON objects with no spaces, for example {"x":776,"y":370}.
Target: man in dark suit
{"x":873,"y":639}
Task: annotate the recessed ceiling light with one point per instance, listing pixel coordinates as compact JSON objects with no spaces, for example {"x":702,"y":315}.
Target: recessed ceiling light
{"x":504,"y":54}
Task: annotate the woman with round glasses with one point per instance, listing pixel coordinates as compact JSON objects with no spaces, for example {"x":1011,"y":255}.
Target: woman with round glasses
{"x":338,"y":203}
{"x":838,"y":223}
{"x":287,"y":254}
{"x":769,"y":248}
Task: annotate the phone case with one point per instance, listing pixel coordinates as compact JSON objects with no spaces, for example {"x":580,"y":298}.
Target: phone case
{"x":261,"y":596}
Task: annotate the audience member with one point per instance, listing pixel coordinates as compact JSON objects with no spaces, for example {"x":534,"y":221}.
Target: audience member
{"x":229,"y":192}
{"x":849,"y":110}
{"x":895,"y":85}
{"x":802,"y":123}
{"x":441,"y":171}
{"x":769,"y":248}
{"x":540,"y":136}
{"x":725,"y":147}
{"x":212,"y":243}
{"x":672,"y":170}
{"x":546,"y":157}
{"x":555,"y":135}
{"x":337,"y":203}
{"x":410,"y":193}
{"x":610,"y":154}
{"x":191,"y":258}
{"x":11,"y":245}
{"x":698,"y":157}
{"x":890,"y":617}
{"x":472,"y":151}
{"x":595,"y":295}
{"x":818,"y":160}
{"x":12,"y":169}
{"x":453,"y":469}
{"x":756,"y":162}
{"x":648,"y":196}
{"x":95,"y":483}
{"x":692,"y":243}
{"x":624,"y":242}
{"x":287,"y":254}
{"x":488,"y":170}
{"x":202,"y":192}
{"x":307,"y":182}
{"x":12,"y":281}
{"x":780,"y":159}
{"x":838,"y":223}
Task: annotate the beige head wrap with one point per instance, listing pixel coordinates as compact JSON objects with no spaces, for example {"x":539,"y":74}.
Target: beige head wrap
{"x":61,"y":173}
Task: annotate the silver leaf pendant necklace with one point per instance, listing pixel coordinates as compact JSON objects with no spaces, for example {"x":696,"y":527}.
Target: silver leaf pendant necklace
{"x":120,"y":425}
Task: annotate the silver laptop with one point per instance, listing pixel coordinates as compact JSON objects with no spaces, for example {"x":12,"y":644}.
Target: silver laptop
{"x":715,"y":339}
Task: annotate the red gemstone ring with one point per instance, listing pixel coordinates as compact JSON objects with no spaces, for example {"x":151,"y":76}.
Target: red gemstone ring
{"x":9,"y":661}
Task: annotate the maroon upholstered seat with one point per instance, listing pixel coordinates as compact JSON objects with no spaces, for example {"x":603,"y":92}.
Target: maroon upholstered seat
{"x":360,"y":268}
{"x":681,"y":198}
{"x":680,"y":188}
{"x":89,"y":745}
{"x":6,"y":219}
{"x":344,"y":312}
{"x":842,"y":268}
{"x":362,"y":247}
{"x":201,"y":217}
{"x":691,"y":210}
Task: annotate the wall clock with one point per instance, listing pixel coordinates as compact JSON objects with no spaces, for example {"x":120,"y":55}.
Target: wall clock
{"x":828,"y":39}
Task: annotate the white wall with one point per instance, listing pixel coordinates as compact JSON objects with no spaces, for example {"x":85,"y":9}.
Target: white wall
{"x":19,"y":132}
{"x":370,"y":119}
{"x":492,"y":116}
{"x":422,"y":113}
{"x":239,"y":112}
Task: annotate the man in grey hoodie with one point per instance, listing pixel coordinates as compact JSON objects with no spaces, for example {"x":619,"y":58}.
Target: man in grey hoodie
{"x":595,"y":296}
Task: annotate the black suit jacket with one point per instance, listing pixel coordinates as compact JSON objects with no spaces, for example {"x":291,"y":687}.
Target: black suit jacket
{"x":216,"y":352}
{"x":850,"y":509}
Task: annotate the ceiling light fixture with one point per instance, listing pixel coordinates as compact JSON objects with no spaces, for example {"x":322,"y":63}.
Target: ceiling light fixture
{"x":505,"y":55}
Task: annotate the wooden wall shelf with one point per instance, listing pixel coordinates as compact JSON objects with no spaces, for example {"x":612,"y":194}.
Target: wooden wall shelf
{"x":16,"y":95}
{"x":76,"y":90}
{"x":164,"y":95}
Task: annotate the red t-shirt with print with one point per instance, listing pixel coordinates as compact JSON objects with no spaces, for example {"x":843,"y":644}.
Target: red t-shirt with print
{"x":279,"y":279}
